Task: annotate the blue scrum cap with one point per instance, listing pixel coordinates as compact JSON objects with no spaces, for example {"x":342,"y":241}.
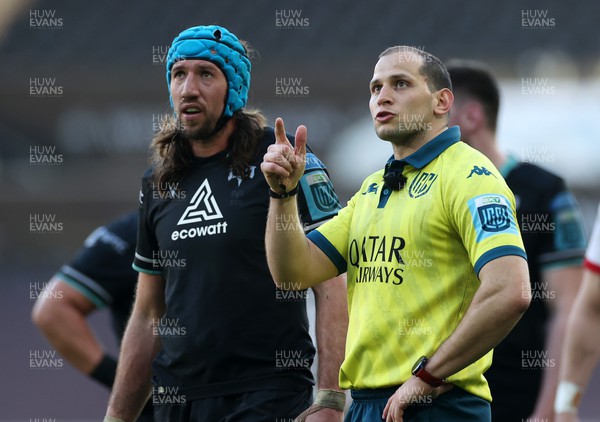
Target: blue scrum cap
{"x":219,"y":46}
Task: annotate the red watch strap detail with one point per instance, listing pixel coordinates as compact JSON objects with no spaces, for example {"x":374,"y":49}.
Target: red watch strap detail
{"x":428,"y":378}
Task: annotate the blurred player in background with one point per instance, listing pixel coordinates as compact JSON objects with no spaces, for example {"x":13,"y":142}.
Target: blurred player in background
{"x":422,"y":242}
{"x":581,"y":350}
{"x":524,"y":372}
{"x":99,"y":276}
{"x":208,"y":324}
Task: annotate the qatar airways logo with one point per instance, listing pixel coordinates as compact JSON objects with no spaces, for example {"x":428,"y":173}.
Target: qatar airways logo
{"x":203,"y":207}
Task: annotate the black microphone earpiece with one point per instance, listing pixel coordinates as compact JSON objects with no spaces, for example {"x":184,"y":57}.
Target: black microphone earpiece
{"x":392,"y":177}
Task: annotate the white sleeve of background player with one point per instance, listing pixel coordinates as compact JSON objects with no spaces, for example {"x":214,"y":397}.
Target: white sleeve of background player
{"x":592,"y":254}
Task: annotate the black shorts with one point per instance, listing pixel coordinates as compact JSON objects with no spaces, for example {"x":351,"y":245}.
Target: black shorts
{"x":254,"y":406}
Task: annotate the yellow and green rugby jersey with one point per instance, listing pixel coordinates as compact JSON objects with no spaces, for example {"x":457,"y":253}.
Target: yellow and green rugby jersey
{"x":413,"y":256}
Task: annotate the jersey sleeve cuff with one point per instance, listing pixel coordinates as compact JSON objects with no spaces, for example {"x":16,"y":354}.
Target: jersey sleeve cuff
{"x":144,"y":270}
{"x":558,"y":257}
{"x":69,"y":276}
{"x":328,"y":249}
{"x":498,"y":252}
{"x":145,"y":265}
{"x":567,"y":263}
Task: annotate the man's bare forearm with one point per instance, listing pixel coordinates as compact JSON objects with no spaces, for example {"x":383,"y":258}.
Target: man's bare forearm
{"x":64,"y":324}
{"x":564,"y":283}
{"x":288,"y":251}
{"x":498,"y":305}
{"x":331,"y":327}
{"x":294,"y":261}
{"x":581,"y":351}
{"x":132,"y":386}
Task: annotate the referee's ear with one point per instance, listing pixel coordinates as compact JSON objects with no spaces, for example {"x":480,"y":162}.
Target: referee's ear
{"x":443,"y":100}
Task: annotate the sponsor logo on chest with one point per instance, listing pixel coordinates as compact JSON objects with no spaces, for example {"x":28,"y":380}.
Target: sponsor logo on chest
{"x":201,"y":217}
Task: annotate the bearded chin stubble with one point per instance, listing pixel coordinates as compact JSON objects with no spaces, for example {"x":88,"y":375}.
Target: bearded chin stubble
{"x":398,"y":135}
{"x":199,"y":133}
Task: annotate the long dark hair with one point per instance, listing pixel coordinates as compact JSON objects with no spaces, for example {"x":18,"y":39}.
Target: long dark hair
{"x":171,"y":153}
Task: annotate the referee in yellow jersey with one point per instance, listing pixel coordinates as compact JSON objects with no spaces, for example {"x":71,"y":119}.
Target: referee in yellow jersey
{"x":437,"y":272}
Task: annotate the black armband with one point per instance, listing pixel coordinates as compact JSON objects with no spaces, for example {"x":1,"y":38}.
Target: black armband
{"x":106,"y":371}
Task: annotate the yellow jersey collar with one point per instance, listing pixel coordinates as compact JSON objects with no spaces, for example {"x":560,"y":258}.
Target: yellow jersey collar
{"x":428,"y":152}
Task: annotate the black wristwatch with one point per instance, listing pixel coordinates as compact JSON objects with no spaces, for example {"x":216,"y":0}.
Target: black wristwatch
{"x":419,"y":371}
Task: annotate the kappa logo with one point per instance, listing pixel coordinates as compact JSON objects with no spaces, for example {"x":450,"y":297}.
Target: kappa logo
{"x":203,"y":206}
{"x":421,"y":184}
{"x":371,"y":189}
{"x":480,"y":171}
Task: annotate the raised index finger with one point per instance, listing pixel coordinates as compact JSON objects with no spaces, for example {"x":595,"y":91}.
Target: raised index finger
{"x":280,"y":136}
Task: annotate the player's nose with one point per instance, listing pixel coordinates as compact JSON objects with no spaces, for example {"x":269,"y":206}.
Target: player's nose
{"x":385,"y":95}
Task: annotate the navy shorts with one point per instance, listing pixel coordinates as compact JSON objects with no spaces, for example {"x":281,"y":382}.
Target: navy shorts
{"x":255,"y":406}
{"x":455,"y":405}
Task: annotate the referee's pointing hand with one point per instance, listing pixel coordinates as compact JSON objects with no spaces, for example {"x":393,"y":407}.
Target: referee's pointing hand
{"x":283,"y":164}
